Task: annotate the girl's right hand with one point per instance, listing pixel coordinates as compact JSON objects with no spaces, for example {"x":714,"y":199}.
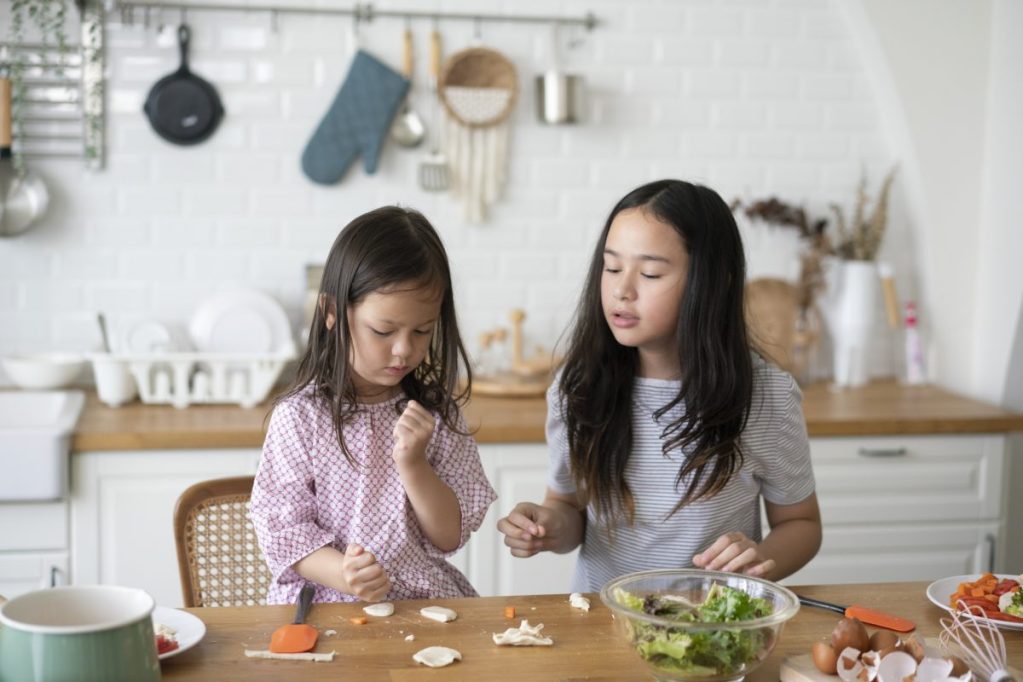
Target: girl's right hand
{"x":529,"y":528}
{"x":365,"y":577}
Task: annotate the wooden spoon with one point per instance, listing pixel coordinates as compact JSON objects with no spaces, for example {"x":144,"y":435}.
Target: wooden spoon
{"x":296,"y":637}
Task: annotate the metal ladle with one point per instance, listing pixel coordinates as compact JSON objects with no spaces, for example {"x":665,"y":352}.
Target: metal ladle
{"x":23,"y":197}
{"x":408,"y":129}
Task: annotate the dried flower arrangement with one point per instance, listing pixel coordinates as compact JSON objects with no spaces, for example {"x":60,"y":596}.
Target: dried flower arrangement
{"x":774,"y":211}
{"x":862,"y":239}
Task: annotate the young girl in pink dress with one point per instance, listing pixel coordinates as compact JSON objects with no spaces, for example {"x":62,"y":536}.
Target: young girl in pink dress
{"x":368,"y":477}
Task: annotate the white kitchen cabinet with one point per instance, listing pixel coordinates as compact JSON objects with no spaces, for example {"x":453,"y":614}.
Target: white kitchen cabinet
{"x":33,"y":546}
{"x":122,"y":513}
{"x":907,"y":507}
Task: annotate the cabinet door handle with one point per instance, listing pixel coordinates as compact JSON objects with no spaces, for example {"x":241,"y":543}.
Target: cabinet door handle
{"x":990,"y":539}
{"x":882,"y":452}
{"x":53,"y":575}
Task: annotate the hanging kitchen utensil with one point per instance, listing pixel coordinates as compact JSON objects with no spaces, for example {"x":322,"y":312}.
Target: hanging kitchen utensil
{"x":23,"y":197}
{"x":408,"y":129}
{"x":357,"y":121}
{"x":182,"y":107}
{"x":868,"y":616}
{"x":478,"y":88}
{"x":297,"y":636}
{"x":559,"y":95}
{"x":433,"y":170}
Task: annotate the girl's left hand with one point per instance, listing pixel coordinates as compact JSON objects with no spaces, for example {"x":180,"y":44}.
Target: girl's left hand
{"x":734,"y":553}
{"x":412,"y":433}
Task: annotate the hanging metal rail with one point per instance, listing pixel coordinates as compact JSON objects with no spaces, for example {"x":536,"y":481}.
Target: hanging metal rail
{"x":365,"y":12}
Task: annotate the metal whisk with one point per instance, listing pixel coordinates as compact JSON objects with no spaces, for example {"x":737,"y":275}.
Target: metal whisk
{"x":978,"y":642}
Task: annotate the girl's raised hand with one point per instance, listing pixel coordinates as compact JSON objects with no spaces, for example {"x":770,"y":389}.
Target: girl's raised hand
{"x":366,"y":578}
{"x":734,"y":553}
{"x":412,"y":433}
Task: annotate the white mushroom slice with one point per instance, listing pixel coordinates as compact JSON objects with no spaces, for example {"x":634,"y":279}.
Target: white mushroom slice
{"x":578,"y":601}
{"x":438,"y":613}
{"x":933,"y":670}
{"x":410,"y":637}
{"x":381,"y":610}
{"x":895,"y":667}
{"x":524,"y":635}
{"x":849,"y":666}
{"x":437,"y":656}
{"x":328,"y":633}
{"x":305,"y":656}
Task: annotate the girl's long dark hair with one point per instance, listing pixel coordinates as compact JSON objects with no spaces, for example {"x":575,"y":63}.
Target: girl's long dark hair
{"x":385,"y":248}
{"x":713,"y":354}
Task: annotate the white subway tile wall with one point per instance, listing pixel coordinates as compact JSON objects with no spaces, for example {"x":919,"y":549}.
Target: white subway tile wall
{"x":750,"y":97}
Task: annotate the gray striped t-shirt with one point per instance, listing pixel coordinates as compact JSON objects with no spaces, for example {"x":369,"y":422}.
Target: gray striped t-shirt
{"x":776,"y":465}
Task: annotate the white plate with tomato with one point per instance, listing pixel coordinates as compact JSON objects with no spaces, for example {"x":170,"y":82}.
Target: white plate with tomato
{"x":188,"y":631}
{"x":940,"y":593}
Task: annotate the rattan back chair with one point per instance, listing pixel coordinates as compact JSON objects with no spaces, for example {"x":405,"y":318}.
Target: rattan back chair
{"x":219,"y":559}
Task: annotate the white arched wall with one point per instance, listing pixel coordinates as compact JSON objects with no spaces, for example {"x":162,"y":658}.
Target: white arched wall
{"x":943,"y":73}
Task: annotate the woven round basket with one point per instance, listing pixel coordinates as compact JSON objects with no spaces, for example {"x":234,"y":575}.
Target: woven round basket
{"x":478,"y":87}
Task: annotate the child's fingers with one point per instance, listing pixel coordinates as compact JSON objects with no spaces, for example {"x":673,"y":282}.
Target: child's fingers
{"x":418,"y":415}
{"x":707,"y":556}
{"x":525,"y":517}
{"x":726,"y":555}
{"x":353,"y":550}
{"x":745,"y":558}
{"x":761,"y":569}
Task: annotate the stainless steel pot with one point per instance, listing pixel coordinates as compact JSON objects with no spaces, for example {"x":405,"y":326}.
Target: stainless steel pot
{"x":23,"y":197}
{"x":559,"y":98}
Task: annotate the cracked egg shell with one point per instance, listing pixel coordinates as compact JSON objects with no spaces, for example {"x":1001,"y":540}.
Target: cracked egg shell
{"x":896,"y":667}
{"x":849,"y":666}
{"x":933,"y":670}
{"x":883,"y":639}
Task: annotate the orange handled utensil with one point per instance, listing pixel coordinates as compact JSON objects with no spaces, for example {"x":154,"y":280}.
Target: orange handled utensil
{"x":865,"y":615}
{"x":296,"y":637}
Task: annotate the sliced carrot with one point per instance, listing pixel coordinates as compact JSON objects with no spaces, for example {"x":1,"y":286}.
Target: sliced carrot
{"x":359,"y":620}
{"x":509,"y":612}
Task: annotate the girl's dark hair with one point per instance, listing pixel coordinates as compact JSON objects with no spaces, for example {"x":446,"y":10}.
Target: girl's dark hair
{"x":383,"y":249}
{"x":713,"y":354}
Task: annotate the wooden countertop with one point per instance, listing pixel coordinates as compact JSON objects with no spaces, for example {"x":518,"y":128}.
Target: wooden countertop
{"x":586,"y":645}
{"x":882,"y":408}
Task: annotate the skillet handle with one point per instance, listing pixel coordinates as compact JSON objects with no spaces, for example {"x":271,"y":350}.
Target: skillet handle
{"x":305,"y":600}
{"x":184,"y":37}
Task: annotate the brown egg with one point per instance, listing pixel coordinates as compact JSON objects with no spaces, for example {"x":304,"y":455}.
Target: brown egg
{"x":883,"y":639}
{"x":849,"y":632}
{"x":959,"y":667}
{"x":824,"y":658}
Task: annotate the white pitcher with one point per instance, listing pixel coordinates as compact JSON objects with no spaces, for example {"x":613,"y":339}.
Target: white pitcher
{"x":850,"y":305}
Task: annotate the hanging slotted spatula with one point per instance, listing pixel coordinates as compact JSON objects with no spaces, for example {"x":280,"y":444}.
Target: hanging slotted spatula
{"x":433,"y":170}
{"x":296,"y":637}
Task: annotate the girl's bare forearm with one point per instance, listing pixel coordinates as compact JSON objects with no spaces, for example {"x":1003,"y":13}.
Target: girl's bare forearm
{"x":434,"y":503}
{"x":323,"y":566}
{"x":791,"y":544}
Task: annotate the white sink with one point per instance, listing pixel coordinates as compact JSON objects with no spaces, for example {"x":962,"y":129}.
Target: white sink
{"x":35,"y":440}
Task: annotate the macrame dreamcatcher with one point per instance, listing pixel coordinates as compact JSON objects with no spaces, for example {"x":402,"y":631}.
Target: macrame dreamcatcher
{"x":478,"y":87}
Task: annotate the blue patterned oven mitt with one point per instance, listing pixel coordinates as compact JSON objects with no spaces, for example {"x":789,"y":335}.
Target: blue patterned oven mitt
{"x":357,"y":122}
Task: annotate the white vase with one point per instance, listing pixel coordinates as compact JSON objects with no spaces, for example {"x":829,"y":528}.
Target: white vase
{"x":853,"y":295}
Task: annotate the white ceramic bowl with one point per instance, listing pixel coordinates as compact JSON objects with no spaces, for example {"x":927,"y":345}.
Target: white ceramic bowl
{"x":43,"y":370}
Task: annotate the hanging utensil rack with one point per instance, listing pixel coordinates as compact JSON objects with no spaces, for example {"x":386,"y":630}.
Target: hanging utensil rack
{"x":61,"y":95}
{"x":365,"y":12}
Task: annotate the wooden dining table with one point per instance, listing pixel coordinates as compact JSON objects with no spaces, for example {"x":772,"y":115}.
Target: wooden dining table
{"x":587,"y":645}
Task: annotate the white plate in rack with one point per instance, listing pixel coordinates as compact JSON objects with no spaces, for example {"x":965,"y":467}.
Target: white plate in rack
{"x":240,"y":321}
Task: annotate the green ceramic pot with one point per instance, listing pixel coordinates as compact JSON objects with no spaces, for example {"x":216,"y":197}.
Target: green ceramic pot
{"x":81,"y":634}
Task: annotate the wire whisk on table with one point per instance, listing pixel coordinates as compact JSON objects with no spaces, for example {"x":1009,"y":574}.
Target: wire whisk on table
{"x":977,"y":641}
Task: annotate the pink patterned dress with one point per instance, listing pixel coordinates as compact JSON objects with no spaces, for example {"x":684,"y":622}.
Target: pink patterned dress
{"x":308,"y":495}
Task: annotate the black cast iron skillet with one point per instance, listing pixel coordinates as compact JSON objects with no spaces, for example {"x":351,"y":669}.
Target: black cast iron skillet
{"x":182,"y":107}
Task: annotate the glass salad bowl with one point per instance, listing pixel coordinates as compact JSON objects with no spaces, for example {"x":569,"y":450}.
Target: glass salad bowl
{"x":696,"y":625}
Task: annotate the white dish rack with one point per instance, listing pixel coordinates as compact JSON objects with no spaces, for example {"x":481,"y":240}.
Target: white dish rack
{"x":189,"y":378}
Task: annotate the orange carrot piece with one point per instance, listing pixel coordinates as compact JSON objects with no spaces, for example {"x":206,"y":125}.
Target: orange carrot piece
{"x":509,"y":612}
{"x":359,"y":620}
